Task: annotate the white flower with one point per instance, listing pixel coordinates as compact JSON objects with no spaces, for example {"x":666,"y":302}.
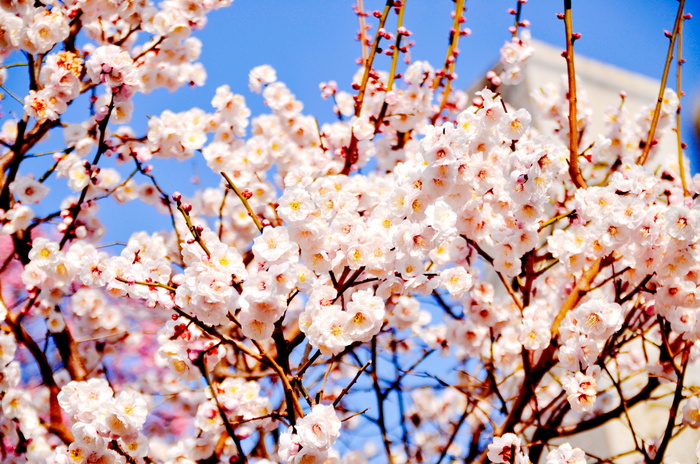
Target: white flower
{"x":273,"y":246}
{"x":288,"y":446}
{"x":295,"y":204}
{"x":277,"y":95}
{"x":682,"y":223}
{"x":502,"y":448}
{"x":670,"y":102}
{"x":366,"y":313}
{"x":362,"y":128}
{"x":566,"y":455}
{"x":173,"y":355}
{"x":127,"y":414}
{"x":85,"y":401}
{"x":418,"y":72}
{"x":534,"y":333}
{"x":44,"y":252}
{"x":515,"y":123}
{"x":581,"y":391}
{"x":44,"y":104}
{"x":136,"y":447}
{"x":16,"y":403}
{"x":114,"y":67}
{"x":78,"y":176}
{"x":457,"y":280}
{"x":319,"y":429}
{"x":44,"y":29}
{"x":232,"y":108}
{"x":330,"y":330}
{"x":254,"y":326}
{"x":8,"y":346}
{"x":87,"y":436}
{"x":10,"y":28}
{"x":28,"y":190}
{"x":260,"y":76}
{"x":598,"y":318}
{"x":17,"y":218}
{"x":691,"y":412}
{"x":55,"y":322}
{"x":94,"y":270}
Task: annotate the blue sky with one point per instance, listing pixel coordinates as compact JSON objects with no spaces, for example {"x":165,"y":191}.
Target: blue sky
{"x":310,"y":41}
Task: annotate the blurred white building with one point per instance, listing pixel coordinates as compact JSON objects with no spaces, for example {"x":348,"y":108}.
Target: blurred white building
{"x":602,"y":84}
{"x":599,"y":86}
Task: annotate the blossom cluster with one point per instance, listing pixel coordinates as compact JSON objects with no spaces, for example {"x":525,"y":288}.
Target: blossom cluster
{"x":315,"y":434}
{"x":306,"y":298}
{"x":100,"y":418}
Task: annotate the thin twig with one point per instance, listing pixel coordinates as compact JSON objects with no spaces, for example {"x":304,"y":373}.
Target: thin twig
{"x":244,"y":200}
{"x":352,"y":382}
{"x":679,"y":92}
{"x":450,"y":60}
{"x":574,"y":170}
{"x":662,"y":88}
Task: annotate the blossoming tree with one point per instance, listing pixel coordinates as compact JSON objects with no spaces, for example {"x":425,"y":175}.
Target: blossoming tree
{"x":428,"y":271}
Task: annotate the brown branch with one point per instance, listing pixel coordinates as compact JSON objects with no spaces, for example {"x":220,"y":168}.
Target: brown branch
{"x":351,"y":152}
{"x":380,"y":404}
{"x":662,"y":88}
{"x":68,"y":349}
{"x":673,"y":411}
{"x":394,"y":62}
{"x":574,"y":170}
{"x":363,"y":27}
{"x":679,"y":92}
{"x":457,"y":426}
{"x":244,"y":200}
{"x":199,"y":362}
{"x":450,"y":60}
{"x":582,"y":287}
{"x":56,"y":415}
{"x":347,"y":388}
{"x":101,"y":148}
